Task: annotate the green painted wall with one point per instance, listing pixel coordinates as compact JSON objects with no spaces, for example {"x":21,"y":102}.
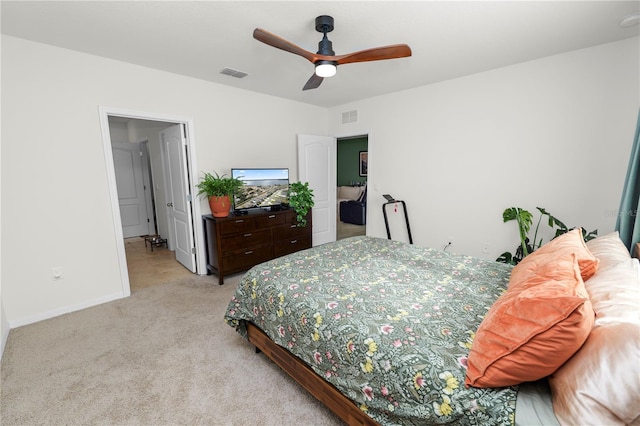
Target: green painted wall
{"x":348,"y":160}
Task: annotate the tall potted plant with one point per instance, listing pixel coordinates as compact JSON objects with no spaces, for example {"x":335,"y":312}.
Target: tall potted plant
{"x":219,"y":190}
{"x":524,"y":220}
{"x":301,"y":200}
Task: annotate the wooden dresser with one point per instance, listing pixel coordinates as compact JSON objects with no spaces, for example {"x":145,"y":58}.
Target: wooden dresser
{"x":236,"y":243}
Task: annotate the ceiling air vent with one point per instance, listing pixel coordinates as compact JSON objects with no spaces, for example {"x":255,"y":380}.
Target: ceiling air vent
{"x":233,"y":73}
{"x":350,"y":116}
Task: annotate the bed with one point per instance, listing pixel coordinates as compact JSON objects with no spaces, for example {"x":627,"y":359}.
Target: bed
{"x":383,"y":332}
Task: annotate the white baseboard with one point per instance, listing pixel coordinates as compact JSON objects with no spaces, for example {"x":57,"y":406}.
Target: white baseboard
{"x":64,"y":310}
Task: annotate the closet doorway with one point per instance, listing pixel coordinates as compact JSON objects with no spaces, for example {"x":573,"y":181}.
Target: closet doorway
{"x":352,"y":172}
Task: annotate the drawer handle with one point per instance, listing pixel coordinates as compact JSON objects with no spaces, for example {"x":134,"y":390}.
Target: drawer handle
{"x":239,"y":220}
{"x":247,"y":235}
{"x":294,"y":241}
{"x":248,"y":252}
{"x":272,"y":216}
{"x":293,"y":226}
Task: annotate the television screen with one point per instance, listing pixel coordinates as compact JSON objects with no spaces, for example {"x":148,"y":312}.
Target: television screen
{"x":262,"y":188}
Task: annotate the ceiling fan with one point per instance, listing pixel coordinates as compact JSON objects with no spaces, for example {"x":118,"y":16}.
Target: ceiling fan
{"x":325,"y":60}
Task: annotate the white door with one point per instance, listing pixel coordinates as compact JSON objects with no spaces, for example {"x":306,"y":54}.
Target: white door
{"x":127,"y":161}
{"x":179,"y":209}
{"x":317,"y":165}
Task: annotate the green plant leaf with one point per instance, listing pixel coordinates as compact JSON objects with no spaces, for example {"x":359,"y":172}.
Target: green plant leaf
{"x":505,"y":257}
{"x":301,"y":200}
{"x":218,"y":186}
{"x":589,"y":236}
{"x":509,"y":214}
{"x":525,"y":219}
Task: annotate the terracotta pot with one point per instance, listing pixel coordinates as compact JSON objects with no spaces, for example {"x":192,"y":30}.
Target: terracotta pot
{"x":220,"y":206}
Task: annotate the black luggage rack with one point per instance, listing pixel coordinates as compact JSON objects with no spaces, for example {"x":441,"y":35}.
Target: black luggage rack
{"x":391,"y":200}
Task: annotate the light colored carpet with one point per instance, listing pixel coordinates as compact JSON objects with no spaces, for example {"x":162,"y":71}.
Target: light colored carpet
{"x":346,"y":230}
{"x":163,"y":356}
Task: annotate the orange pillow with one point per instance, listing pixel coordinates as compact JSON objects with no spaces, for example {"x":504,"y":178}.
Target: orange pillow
{"x":567,"y":243}
{"x":542,"y":269}
{"x":533,"y":328}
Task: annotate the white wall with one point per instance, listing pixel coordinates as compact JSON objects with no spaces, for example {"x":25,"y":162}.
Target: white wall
{"x":5,"y":329}
{"x":4,"y":323}
{"x":53,"y":165}
{"x":554,"y":133}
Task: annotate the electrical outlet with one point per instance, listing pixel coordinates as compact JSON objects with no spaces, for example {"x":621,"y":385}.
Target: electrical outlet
{"x":485,"y":248}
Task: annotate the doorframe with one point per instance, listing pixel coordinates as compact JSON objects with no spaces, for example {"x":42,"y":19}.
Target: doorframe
{"x":105,"y":113}
{"x":371,"y":187}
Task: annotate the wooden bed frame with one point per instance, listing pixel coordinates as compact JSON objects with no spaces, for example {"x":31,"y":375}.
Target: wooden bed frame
{"x":324,"y":391}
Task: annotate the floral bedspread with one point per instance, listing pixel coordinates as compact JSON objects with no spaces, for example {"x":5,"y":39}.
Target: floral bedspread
{"x":389,"y":324}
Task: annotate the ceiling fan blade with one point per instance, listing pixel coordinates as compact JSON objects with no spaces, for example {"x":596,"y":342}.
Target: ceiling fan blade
{"x":313,"y":82}
{"x":375,"y":54}
{"x":280,"y":43}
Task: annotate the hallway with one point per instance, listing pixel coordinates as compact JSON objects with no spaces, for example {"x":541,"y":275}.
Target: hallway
{"x":147,"y":268}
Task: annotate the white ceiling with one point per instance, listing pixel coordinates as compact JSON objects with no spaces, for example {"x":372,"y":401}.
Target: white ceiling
{"x":449,"y":39}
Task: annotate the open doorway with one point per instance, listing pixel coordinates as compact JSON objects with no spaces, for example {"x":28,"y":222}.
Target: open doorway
{"x":352,"y":172}
{"x":151,"y":186}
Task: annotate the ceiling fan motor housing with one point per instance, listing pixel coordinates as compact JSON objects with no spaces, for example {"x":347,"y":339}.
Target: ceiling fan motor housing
{"x":324,"y":24}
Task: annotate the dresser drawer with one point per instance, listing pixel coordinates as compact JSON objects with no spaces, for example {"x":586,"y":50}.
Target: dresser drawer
{"x":282,"y":247}
{"x":289,"y":231}
{"x":291,"y":218}
{"x":245,"y":259}
{"x":236,"y":226}
{"x":247,"y":240}
{"x":270,"y":220}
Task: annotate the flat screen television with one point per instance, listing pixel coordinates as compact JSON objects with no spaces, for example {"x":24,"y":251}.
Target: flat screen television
{"x":262,"y":188}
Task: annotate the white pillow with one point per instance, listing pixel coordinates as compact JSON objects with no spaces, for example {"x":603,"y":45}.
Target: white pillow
{"x":599,"y":384}
{"x":609,"y":249}
{"x":615,"y":293}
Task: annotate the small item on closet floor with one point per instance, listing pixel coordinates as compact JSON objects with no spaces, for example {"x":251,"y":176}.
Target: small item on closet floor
{"x":155,"y":240}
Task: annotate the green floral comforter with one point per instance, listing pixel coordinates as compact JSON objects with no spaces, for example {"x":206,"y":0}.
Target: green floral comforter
{"x":389,"y":324}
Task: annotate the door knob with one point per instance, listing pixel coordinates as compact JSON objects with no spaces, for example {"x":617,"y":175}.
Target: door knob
{"x":169,"y":204}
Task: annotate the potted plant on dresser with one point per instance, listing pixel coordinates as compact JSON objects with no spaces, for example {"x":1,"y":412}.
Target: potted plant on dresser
{"x":219,"y":190}
{"x":301,"y":200}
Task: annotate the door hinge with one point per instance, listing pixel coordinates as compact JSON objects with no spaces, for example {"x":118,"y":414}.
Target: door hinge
{"x":189,"y":198}
{"x":193,"y":250}
{"x":140,"y":153}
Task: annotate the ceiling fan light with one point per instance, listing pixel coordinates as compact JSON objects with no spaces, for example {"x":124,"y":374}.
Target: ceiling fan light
{"x":325,"y":69}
